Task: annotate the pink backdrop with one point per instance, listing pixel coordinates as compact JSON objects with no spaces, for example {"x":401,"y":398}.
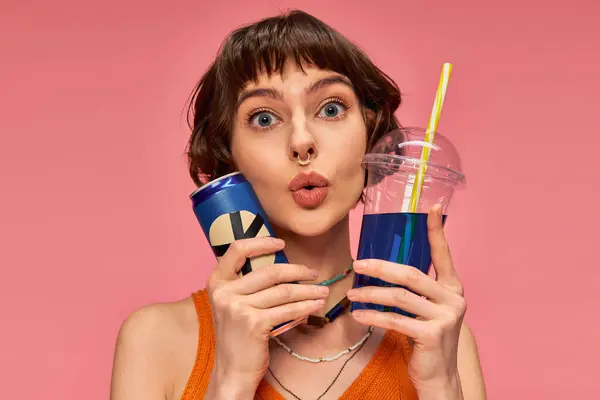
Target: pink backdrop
{"x":95,"y":219}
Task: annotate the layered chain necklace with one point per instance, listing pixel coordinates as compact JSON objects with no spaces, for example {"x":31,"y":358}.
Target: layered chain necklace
{"x":332,"y":382}
{"x":329,"y":317}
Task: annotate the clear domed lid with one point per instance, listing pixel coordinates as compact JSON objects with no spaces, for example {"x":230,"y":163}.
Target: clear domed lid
{"x":400,"y":151}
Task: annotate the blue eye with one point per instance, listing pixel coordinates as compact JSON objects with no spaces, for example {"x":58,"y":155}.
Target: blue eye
{"x":263,"y":119}
{"x":331,"y":110}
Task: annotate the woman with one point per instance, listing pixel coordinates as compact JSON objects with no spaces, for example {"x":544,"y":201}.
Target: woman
{"x":290,"y":97}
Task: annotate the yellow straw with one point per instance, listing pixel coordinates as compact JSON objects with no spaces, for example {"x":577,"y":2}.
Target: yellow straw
{"x":431,"y":129}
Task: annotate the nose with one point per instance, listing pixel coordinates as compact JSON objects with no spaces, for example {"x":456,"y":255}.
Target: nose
{"x":303,"y":146}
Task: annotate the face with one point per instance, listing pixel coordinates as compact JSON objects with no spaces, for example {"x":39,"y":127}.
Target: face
{"x":312,"y":113}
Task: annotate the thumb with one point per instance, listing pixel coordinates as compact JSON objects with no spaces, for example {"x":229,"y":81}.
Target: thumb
{"x":241,"y":250}
{"x":440,"y":251}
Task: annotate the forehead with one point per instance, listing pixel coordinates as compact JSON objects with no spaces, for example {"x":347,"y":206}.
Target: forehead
{"x":291,"y":75}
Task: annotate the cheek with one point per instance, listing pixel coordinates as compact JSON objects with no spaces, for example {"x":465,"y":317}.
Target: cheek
{"x":352,"y":150}
{"x":349,"y":169}
{"x":245,"y":152}
{"x":249,"y":157}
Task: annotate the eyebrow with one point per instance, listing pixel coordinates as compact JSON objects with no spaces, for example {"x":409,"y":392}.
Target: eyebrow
{"x":328,"y":81}
{"x":259,"y":92}
{"x":278,"y":95}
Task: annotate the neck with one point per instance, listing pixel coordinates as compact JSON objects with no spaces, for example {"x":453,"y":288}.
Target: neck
{"x":328,"y":253}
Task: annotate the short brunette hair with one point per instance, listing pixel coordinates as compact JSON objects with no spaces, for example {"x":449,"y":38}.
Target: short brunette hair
{"x":264,"y":47}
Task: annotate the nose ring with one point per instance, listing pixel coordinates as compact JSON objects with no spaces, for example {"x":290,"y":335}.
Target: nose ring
{"x":304,"y":162}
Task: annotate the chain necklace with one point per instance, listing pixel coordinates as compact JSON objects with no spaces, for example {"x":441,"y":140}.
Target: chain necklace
{"x":334,"y":379}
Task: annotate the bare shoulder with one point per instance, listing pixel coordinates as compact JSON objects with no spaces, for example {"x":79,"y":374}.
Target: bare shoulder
{"x":160,"y":319}
{"x":469,"y":365}
{"x":151,"y":349}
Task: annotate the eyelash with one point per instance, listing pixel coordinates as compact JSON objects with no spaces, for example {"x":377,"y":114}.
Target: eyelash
{"x":339,"y":101}
{"x":257,"y":111}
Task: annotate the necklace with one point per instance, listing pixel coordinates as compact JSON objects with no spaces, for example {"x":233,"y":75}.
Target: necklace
{"x":322,"y":359}
{"x":336,"y":310}
{"x":335,"y":278}
{"x":334,"y":379}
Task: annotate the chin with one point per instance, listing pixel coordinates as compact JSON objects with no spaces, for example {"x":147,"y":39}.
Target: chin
{"x":309,"y":222}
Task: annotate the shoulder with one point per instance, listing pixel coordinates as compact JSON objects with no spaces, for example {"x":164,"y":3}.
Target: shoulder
{"x":149,"y":344}
{"x":466,"y":335}
{"x":153,"y":322}
{"x":469,"y":365}
{"x":467,"y":345}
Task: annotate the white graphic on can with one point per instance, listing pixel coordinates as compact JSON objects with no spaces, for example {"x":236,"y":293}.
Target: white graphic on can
{"x":227,"y":228}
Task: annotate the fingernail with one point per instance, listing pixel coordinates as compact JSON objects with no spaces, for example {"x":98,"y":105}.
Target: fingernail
{"x":360,"y":265}
{"x":323,"y":289}
{"x":314,"y":273}
{"x":352,"y":293}
{"x":320,"y":302}
{"x":358,"y":313}
{"x":278,"y":241}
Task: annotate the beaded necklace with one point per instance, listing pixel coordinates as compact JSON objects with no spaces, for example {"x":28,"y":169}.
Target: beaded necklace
{"x":330,"y":358}
{"x":337,"y":309}
{"x":335,"y":278}
{"x":334,"y":379}
{"x":330,"y":316}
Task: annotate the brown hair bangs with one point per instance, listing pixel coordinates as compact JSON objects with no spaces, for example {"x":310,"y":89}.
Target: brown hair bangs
{"x":264,"y":47}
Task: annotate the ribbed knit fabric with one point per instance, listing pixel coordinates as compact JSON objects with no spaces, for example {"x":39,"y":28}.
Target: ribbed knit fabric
{"x":384,"y":377}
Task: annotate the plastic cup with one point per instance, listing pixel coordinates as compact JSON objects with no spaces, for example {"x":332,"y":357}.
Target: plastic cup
{"x":389,"y":231}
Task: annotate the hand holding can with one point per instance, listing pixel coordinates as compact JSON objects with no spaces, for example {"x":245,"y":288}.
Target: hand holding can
{"x":245,"y":310}
{"x":253,"y":290}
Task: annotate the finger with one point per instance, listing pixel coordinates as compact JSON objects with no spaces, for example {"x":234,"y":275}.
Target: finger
{"x":286,"y":293}
{"x":403,"y":275}
{"x":410,"y":327}
{"x":292,"y":311}
{"x":271,"y":275}
{"x":440,"y":251}
{"x":234,"y":258}
{"x":396,"y":297}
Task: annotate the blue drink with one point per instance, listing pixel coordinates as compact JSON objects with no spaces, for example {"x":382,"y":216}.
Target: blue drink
{"x":409,"y":171}
{"x":396,"y":237}
{"x":228,"y":210}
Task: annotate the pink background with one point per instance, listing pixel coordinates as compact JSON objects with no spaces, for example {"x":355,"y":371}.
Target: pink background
{"x":95,"y":219}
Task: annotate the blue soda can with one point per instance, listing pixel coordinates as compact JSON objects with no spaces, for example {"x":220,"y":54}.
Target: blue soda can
{"x":228,"y":210}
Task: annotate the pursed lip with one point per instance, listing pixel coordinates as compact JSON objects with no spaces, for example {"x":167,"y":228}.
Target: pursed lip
{"x":304,"y":180}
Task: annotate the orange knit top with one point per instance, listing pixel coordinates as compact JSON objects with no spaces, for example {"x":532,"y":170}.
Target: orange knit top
{"x":384,"y":377}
